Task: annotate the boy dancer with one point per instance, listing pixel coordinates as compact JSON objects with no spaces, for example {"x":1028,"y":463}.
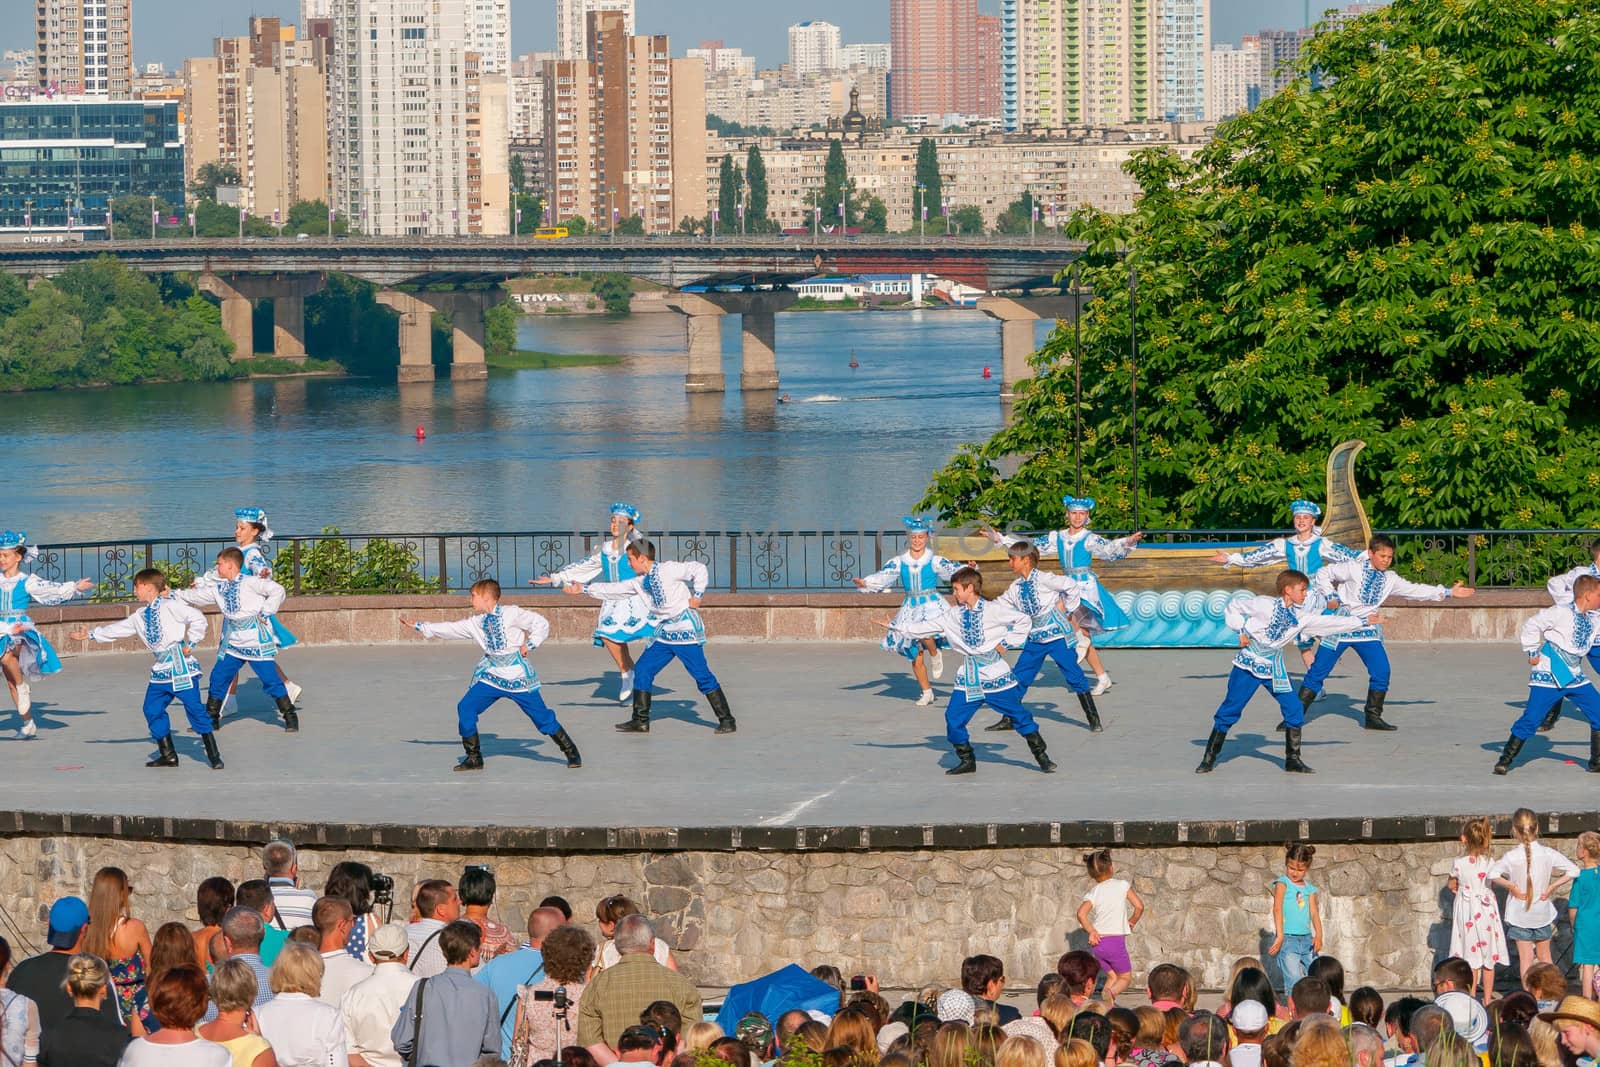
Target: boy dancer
{"x":1266,"y":626}
{"x":979,"y":629}
{"x":1560,"y":590}
{"x":1556,"y":640}
{"x":169,"y":628}
{"x":673,"y":590}
{"x":1048,"y":599}
{"x":247,"y":604}
{"x":25,"y":655}
{"x":1359,"y":587}
{"x":502,"y":631}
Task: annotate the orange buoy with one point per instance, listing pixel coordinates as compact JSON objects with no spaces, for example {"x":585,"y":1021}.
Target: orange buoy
{"x":422,"y":433}
{"x":985,"y":374}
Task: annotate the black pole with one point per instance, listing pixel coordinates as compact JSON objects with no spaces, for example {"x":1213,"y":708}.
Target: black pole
{"x":1077,"y":374}
{"x":1133,"y":349}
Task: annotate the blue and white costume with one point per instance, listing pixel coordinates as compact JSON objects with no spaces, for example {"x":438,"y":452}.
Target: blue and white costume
{"x":985,"y":677}
{"x":1560,"y":637}
{"x":667,"y":588}
{"x":1560,"y":590}
{"x":1049,"y":601}
{"x":258,"y":563}
{"x":1097,"y":610}
{"x":169,"y":628}
{"x":620,"y":620}
{"x":920,"y":575}
{"x":35,"y":654}
{"x":1307,"y":553}
{"x":1361,"y":589}
{"x":1272,"y":625}
{"x":247,"y":604}
{"x":503,"y":672}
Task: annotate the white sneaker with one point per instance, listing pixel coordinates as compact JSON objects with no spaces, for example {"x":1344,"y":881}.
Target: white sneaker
{"x":24,"y":700}
{"x":936,"y":665}
{"x":1102,"y":685}
{"x":627,"y":687}
{"x":1084,"y":645}
{"x":294,"y":692}
{"x":925,"y":699}
{"x":27,"y":729}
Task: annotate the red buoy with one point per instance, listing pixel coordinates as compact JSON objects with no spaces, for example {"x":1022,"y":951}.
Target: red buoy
{"x":985,"y":374}
{"x":422,"y":433}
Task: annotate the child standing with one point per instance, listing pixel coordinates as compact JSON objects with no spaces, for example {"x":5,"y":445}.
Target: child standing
{"x":252,"y":535}
{"x":247,"y":604}
{"x":1583,"y":910}
{"x":1526,"y":873}
{"x":1296,"y":916}
{"x":1475,"y":931}
{"x":1104,"y":916}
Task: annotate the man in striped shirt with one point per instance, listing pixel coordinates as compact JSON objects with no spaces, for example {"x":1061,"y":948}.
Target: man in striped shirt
{"x":282,"y":869}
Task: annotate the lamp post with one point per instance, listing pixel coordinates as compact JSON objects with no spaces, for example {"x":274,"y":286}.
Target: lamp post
{"x":611,"y":202}
{"x":152,"y":216}
{"x":715,"y":212}
{"x":27,"y":215}
{"x":1133,"y":352}
{"x":744,"y":192}
{"x":922,"y":210}
{"x":816,"y":224}
{"x":946,"y":206}
{"x":1033,"y":215}
{"x":1077,"y":373}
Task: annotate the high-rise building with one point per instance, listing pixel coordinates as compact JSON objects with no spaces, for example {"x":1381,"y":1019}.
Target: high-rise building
{"x":934,"y":55}
{"x":1233,"y":80}
{"x":875,"y":56}
{"x":527,"y":95}
{"x":813,"y":47}
{"x":1279,"y":50}
{"x":1182,"y":48}
{"x":488,"y":162}
{"x":990,"y":48}
{"x":489,"y":34}
{"x":625,"y":130}
{"x":85,"y":47}
{"x":572,"y":23}
{"x":315,"y":9}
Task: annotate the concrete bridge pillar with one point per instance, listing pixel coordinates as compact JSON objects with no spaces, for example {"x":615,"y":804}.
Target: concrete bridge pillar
{"x":758,"y":337}
{"x":1017,"y":317}
{"x":238,"y":294}
{"x":416,"y":334}
{"x":289,"y":316}
{"x":464,"y":308}
{"x":704,"y":321}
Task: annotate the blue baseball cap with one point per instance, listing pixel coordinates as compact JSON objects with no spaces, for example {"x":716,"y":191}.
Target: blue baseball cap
{"x":68,"y":917}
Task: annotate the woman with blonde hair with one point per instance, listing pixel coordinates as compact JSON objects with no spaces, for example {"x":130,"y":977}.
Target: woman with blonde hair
{"x":1058,"y":1010}
{"x":984,"y":1045}
{"x":123,"y":942}
{"x":1321,"y":1044}
{"x":950,"y":1043}
{"x":233,"y":991}
{"x":699,"y":1036}
{"x":1076,"y":1052}
{"x":303,"y":1031}
{"x":1020,"y":1051}
{"x":84,"y":1037}
{"x":853,"y":1028}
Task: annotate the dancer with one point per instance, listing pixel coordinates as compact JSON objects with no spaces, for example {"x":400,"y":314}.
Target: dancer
{"x":503,"y":631}
{"x":1359,"y":587}
{"x":247,"y":604}
{"x":1266,"y":625}
{"x":1556,"y":641}
{"x":1048,"y":599}
{"x":918,"y":570}
{"x":1560,"y":590}
{"x":621,"y":621}
{"x":170,"y":629}
{"x":1077,"y":548}
{"x":673,"y":591}
{"x":251,"y":534}
{"x":1306,"y":551}
{"x":25,"y":655}
{"x":979,"y":629}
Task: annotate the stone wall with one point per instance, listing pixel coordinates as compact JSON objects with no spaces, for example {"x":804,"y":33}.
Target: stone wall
{"x":908,"y":916}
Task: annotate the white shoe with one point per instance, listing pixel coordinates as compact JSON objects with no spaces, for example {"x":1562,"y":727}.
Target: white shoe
{"x":230,"y":704}
{"x":24,"y":700}
{"x":27,"y":729}
{"x":925,"y":699}
{"x":936,"y":666}
{"x":1084,"y":645}
{"x":627,"y":687}
{"x":294,"y":692}
{"x":1102,"y":685}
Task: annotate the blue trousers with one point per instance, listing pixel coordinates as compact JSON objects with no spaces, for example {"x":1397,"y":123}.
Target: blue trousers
{"x":1542,"y":698}
{"x":476,"y":701}
{"x":1063,"y":652}
{"x":1373,"y":657}
{"x":1242,"y":685}
{"x":1007,"y":702}
{"x":660,"y":653}
{"x":158,"y":696}
{"x":227,"y":669}
{"x":1294,"y":959}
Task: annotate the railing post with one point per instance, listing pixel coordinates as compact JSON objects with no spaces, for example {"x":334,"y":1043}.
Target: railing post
{"x":877,"y":549}
{"x":294,"y":564}
{"x":149,"y":555}
{"x":1472,"y":560}
{"x":444,"y":578}
{"x":733,"y":563}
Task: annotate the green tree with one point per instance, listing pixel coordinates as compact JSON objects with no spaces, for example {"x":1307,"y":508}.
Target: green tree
{"x":690,"y":225}
{"x":755,"y":173}
{"x":1016,"y":218}
{"x":344,"y":321}
{"x":211,"y":175}
{"x":532,"y":208}
{"x":729,"y":179}
{"x":967,"y":219}
{"x":577,"y":225}
{"x":932,"y":195}
{"x":311,"y":216}
{"x":519,"y":175}
{"x":615,"y":290}
{"x":836,"y":186}
{"x":1407,"y":255}
{"x":13,"y":295}
{"x":500,"y":329}
{"x":130,"y":216}
{"x":632,"y":226}
{"x":874,"y":215}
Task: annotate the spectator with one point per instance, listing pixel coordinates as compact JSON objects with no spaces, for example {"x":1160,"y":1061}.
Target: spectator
{"x":524,"y":966}
{"x":614,"y":998}
{"x":477,"y":891}
{"x":1168,"y":986}
{"x":560,"y":904}
{"x":1450,"y":1051}
{"x":1451,"y":973}
{"x":1366,"y":1045}
{"x":1366,"y":1007}
{"x":122,"y":941}
{"x":438,"y":905}
{"x":233,"y":991}
{"x":544,"y":1024}
{"x":1547,"y":983}
{"x":307,"y":936}
{"x":1249,"y":1021}
{"x":212,"y":899}
{"x":1075,"y":1052}
{"x":448,"y":1018}
{"x":176,"y":1003}
{"x":1427,"y":1023}
{"x":1275,"y":1050}
{"x":1204,"y":1040}
{"x":699,"y":1036}
{"x":333,"y":919}
{"x":354,"y":882}
{"x":303,"y":1031}
{"x":1079,"y":971}
{"x":1510,"y":1045}
{"x":756,"y":1032}
{"x":950,"y":1044}
{"x":984,"y":1045}
{"x":242,"y":930}
{"x":1020,"y":1050}
{"x":663,"y":1013}
{"x":612,"y":910}
{"x":1243,"y":963}
{"x":955,"y":1005}
{"x":1058,"y":1010}
{"x":1149,"y":1045}
{"x":1468,"y":1017}
{"x":257,"y":896}
{"x":1331,"y":971}
{"x":19,"y":1018}
{"x":1094,"y":1029}
{"x":811,"y":1035}
{"x":372,"y":1005}
{"x":291,"y":904}
{"x":852,"y":1028}
{"x":1253,"y":983}
{"x":1169,"y":1033}
{"x":172,"y":946}
{"x":84,"y":1037}
{"x":1049,"y":985}
{"x":1321,"y":1043}
{"x":1124,"y":1032}
{"x":788,"y":1023}
{"x":984,"y":979}
{"x":732,"y":1050}
{"x":826,"y":972}
{"x":42,"y":979}
{"x":1309,"y":997}
{"x":641,"y":1044}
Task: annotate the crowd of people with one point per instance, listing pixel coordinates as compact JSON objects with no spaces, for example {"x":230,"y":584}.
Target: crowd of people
{"x":276,"y":974}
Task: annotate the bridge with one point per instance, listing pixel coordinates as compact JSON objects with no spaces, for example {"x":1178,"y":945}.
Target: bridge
{"x":459,"y":278}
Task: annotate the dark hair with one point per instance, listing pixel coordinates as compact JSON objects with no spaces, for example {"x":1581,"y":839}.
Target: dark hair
{"x":352,"y":881}
{"x":231,"y":555}
{"x":1380,"y":541}
{"x":1023,"y":550}
{"x":1331,"y":971}
{"x":1275,"y":1048}
{"x":662,"y":1013}
{"x":1456,"y":971}
{"x":1167,"y":981}
{"x":172,"y":946}
{"x":254,"y":894}
{"x":178,"y":997}
{"x":1298,"y":852}
{"x":1366,"y":1006}
{"x":5,"y":954}
{"x":1511,"y":1046}
{"x":643,"y":547}
{"x":458,"y":939}
{"x":1077,"y":969}
{"x":1203,"y":1037}
{"x":1252,"y":983}
{"x":1095,"y":1029}
{"x":431,"y":894}
{"x":212,"y":899}
{"x":639,"y":1037}
{"x":968,"y":576}
{"x":1124,"y":1027}
{"x":561,"y":905}
{"x":827,"y":972}
{"x":1404,"y":1009}
{"x":153,"y":578}
{"x":576,"y":1056}
{"x":307,"y":936}
{"x":733,"y":1050}
{"x":568,"y":951}
{"x":1520,"y":1008}
{"x":1050,"y":983}
{"x":978,"y":971}
{"x":615,"y":908}
{"x":477,"y":886}
{"x":1289,"y":579}
{"x":1098,"y":863}
{"x":329,"y":912}
{"x":1310,"y":995}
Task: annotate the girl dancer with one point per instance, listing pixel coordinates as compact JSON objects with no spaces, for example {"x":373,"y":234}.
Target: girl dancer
{"x":1077,"y":548}
{"x":918,"y":570}
{"x":621,"y":621}
{"x":251,"y":534}
{"x":25,"y":655}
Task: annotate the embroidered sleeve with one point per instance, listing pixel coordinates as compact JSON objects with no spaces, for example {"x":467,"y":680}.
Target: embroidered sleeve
{"x":458,"y":630}
{"x":272,"y":591}
{"x":1328,"y":625}
{"x":615,"y":590}
{"x":696,"y":577}
{"x":48,"y":592}
{"x":1418,"y":591}
{"x":532,"y":623}
{"x":944,"y":568}
{"x":1323,"y":582}
{"x":1533,"y":631}
{"x":1107,"y":549}
{"x":887,"y":578}
{"x":1334,"y":552}
{"x":1261,"y":556}
{"x":194,"y":624}
{"x":585,"y":570}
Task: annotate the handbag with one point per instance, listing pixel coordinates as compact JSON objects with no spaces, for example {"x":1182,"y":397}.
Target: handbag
{"x":415,"y":1059}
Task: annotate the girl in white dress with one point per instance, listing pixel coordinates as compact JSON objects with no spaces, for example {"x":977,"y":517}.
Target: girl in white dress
{"x":1531,"y":874}
{"x":25,"y":655}
{"x":919,"y":571}
{"x":1475,"y":931}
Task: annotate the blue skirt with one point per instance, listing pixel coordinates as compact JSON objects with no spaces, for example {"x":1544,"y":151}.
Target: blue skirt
{"x":281,"y":632}
{"x":1098,"y":610}
{"x":35,"y":655}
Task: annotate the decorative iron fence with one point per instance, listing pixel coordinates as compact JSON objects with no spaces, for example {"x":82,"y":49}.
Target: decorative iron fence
{"x":738,"y":561}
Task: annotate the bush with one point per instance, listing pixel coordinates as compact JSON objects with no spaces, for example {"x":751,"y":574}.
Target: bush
{"x":331,"y":564}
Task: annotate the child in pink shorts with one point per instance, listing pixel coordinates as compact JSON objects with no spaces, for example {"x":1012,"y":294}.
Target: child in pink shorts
{"x":1109,"y":912}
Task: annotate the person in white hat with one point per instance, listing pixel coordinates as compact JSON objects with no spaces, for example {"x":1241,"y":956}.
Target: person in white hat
{"x":1468,"y":1016}
{"x":1249,"y":1021}
{"x":955,"y":1005}
{"x":371,"y":1006}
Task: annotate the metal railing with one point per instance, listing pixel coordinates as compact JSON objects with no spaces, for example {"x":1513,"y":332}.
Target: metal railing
{"x":783,"y":561}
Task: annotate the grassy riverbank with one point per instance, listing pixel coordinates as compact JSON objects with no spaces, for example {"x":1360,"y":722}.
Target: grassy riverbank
{"x":523,"y":359}
{"x":263,"y":366}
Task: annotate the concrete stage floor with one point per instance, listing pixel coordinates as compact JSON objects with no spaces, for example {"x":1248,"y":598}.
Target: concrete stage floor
{"x":828,"y":736}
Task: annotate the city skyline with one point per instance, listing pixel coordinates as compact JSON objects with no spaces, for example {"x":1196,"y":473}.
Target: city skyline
{"x":169,"y":31}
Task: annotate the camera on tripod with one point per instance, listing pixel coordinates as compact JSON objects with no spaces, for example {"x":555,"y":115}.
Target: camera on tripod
{"x":556,"y":996}
{"x":382,"y":889}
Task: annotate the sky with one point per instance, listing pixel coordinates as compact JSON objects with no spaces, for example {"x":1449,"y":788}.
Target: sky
{"x":169,"y":31}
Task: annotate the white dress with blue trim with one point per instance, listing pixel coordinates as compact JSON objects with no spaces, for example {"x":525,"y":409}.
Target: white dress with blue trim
{"x":920,"y":577}
{"x":1361,"y":590}
{"x":502,"y":634}
{"x":1560,"y":636}
{"x":169,"y":628}
{"x":35,"y":655}
{"x":621,"y":620}
{"x":1097,"y":609}
{"x":975,"y":632}
{"x":667,"y":587}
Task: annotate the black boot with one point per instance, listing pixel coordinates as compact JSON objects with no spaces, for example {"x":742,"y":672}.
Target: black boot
{"x":166,"y":754}
{"x":1374,"y":710}
{"x":568,"y":749}
{"x":291,"y":721}
{"x":214,"y":709}
{"x":1551,"y":717}
{"x":1507,"y":754}
{"x":1307,"y":698}
{"x":1003,"y":724}
{"x":213,"y":757}
{"x":473,"y":760}
{"x":640,"y":723}
{"x":1213,"y":750}
{"x":1036,"y":746}
{"x":1090,"y":712}
{"x":1291,"y":752}
{"x":1594,"y":752}
{"x":719,"y":704}
{"x":966,"y":762}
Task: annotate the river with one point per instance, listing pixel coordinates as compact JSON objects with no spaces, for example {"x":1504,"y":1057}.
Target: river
{"x":528,"y":449}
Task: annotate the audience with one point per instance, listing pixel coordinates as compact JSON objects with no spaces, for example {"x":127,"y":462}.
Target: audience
{"x":84,"y":1037}
{"x":303,"y":1031}
{"x":257,"y":896}
{"x":212,"y":899}
{"x":291,"y":903}
{"x":233,"y":991}
{"x":614,"y":998}
{"x":332,"y":918}
{"x":437,"y":905}
{"x":447,"y":1017}
{"x":371,"y":1006}
{"x":523,"y":966}
{"x":544,"y":1012}
{"x":477,"y":891}
{"x":176,"y":1004}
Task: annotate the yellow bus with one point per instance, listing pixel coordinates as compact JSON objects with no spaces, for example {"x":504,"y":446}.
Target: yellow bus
{"x":550,"y":233}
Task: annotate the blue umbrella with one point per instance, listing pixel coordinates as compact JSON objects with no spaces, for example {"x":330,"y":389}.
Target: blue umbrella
{"x":773,"y":994}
